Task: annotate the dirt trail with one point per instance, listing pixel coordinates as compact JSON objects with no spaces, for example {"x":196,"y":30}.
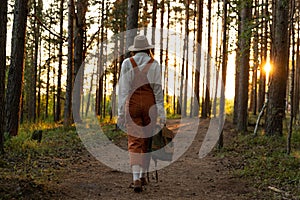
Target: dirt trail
{"x":187,"y":178}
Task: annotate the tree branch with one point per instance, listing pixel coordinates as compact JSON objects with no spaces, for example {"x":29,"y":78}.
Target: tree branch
{"x":45,"y":27}
{"x":92,"y":39}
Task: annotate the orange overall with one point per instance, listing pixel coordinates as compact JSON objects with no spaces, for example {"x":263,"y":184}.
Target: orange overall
{"x":138,"y":116}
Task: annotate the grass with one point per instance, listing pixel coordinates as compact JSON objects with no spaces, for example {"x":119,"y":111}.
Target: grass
{"x":27,"y":165}
{"x":112,"y":132}
{"x":263,"y":161}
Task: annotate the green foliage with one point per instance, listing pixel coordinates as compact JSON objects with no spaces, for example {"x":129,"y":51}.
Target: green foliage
{"x":264,"y":161}
{"x":112,"y":132}
{"x":173,"y":116}
{"x":229,"y":106}
{"x":30,"y":166}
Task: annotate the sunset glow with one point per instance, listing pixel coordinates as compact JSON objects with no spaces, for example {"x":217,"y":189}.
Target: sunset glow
{"x":268,"y":69}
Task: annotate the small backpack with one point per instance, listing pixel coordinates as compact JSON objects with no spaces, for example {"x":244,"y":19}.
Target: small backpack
{"x":161,"y":146}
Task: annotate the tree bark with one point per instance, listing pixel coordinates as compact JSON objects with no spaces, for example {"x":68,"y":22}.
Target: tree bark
{"x":244,"y":45}
{"x":224,"y":72}
{"x":154,"y":11}
{"x":48,"y":76}
{"x":162,"y":12}
{"x":217,"y":63}
{"x":185,"y":59}
{"x":79,"y":57}
{"x":68,"y":101}
{"x":99,"y":104}
{"x":292,"y":89}
{"x":264,"y":53}
{"x":237,"y":73}
{"x":297,"y":73}
{"x":207,"y":103}
{"x":278,"y":77}
{"x":132,"y":22}
{"x":16,"y":70}
{"x":59,"y":73}
{"x":3,"y":36}
{"x":31,"y":97}
{"x":167,"y":61}
{"x":253,"y":100}
{"x":198,"y":58}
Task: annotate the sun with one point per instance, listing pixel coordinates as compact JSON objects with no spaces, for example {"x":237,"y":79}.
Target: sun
{"x":268,"y":70}
{"x":268,"y":67}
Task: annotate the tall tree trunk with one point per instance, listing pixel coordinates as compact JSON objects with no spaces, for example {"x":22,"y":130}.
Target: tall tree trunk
{"x":175,"y":101}
{"x":68,"y":101}
{"x":115,"y":80}
{"x":167,"y":62}
{"x":186,"y":59}
{"x":39,"y":67}
{"x":292,"y":89}
{"x":206,"y":104}
{"x":31,"y":97}
{"x":60,"y":54}
{"x":253,"y":100}
{"x":237,"y":73}
{"x":48,"y":76}
{"x":89,"y":95}
{"x":218,"y":64}
{"x":132,"y":22}
{"x":154,"y":11}
{"x":244,"y":44}
{"x":145,"y":16}
{"x":105,"y":77}
{"x":40,"y":85}
{"x":16,"y":70}
{"x":278,"y":78}
{"x":3,"y":36}
{"x":181,"y":97}
{"x":224,"y":71}
{"x":99,"y":104}
{"x":264,"y":53}
{"x":79,"y":41}
{"x":53,"y":90}
{"x":181,"y":71}
{"x":193,"y":59}
{"x":198,"y":57}
{"x":162,"y":12}
{"x":297,"y":73}
{"x":122,"y":36}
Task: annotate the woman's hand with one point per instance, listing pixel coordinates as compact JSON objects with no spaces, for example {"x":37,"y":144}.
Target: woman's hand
{"x":161,"y":121}
{"x":121,"y":121}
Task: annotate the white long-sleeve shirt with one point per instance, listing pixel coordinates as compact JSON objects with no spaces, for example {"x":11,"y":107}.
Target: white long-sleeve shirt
{"x":153,"y":75}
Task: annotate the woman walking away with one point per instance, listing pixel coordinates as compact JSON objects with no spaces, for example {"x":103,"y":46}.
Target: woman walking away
{"x":141,"y":105}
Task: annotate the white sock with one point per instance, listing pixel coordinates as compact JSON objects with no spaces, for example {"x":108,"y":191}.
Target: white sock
{"x":142,"y":172}
{"x":136,"y":172}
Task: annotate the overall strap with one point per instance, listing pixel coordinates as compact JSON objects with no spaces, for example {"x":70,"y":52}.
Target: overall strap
{"x":133,"y":62}
{"x":148,"y":65}
{"x":146,"y":68}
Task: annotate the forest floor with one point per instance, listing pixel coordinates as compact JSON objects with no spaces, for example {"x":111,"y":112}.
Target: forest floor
{"x":69,"y":171}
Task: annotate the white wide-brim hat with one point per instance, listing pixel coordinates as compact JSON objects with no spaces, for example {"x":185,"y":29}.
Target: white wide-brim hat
{"x":140,"y":43}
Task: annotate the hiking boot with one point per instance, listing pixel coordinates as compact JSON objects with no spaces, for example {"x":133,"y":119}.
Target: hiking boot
{"x":137,"y":186}
{"x":144,"y":181}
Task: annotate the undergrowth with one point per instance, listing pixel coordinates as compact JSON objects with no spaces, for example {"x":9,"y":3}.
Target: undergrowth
{"x":27,"y":166}
{"x":264,"y":162}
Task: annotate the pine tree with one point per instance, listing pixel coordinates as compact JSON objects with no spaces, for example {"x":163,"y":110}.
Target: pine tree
{"x":3,"y":36}
{"x":16,"y":70}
